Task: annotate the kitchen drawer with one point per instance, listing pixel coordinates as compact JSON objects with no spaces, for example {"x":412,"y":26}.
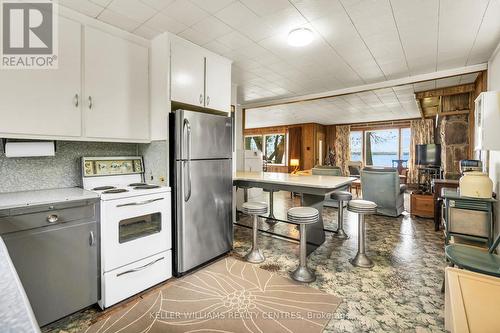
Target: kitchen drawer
{"x":39,"y":216}
{"x":120,"y":283}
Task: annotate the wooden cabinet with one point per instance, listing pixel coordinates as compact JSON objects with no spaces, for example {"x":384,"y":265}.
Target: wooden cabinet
{"x":199,"y":77}
{"x":422,"y":205}
{"x":42,"y":103}
{"x":116,"y":104}
{"x":217,"y":83}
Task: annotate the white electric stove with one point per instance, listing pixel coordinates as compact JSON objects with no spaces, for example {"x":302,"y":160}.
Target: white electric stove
{"x":136,"y":239}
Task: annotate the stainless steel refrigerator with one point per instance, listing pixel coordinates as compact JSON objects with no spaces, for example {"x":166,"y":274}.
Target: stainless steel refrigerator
{"x":201,"y":180}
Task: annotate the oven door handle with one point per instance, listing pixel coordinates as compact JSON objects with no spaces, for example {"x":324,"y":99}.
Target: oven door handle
{"x":139,"y":203}
{"x":140,"y":268}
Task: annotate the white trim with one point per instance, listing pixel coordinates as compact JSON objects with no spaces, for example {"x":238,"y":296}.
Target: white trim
{"x":371,"y":86}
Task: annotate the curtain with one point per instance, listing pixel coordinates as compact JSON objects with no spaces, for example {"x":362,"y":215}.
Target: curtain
{"x":342,"y":149}
{"x":422,"y":132}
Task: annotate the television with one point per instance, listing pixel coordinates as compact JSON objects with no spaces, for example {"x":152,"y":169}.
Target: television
{"x":428,"y":155}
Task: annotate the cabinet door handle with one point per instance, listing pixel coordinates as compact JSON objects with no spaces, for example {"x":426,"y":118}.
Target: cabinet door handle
{"x":201,"y":98}
{"x":208,"y":100}
{"x":76,"y":100}
{"x":91,"y":238}
{"x":90,"y":103}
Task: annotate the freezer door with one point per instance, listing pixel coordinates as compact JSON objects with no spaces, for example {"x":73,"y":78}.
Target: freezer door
{"x":202,"y":135}
{"x":204,"y":216}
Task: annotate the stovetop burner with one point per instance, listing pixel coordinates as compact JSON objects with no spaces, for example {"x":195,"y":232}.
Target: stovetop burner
{"x":103,"y":188}
{"x":145,"y":187}
{"x":117,"y":190}
{"x":137,"y":184}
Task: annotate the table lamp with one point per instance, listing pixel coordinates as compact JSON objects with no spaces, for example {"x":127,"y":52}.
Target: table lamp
{"x":295,"y":163}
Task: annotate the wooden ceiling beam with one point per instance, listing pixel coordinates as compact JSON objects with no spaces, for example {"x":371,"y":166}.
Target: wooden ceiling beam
{"x":455,"y":90}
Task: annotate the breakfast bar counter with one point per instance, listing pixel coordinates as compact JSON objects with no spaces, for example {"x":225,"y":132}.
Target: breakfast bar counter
{"x":312,"y":187}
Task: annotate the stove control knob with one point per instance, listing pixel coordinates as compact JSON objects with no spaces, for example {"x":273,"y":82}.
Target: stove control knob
{"x":52,"y":218}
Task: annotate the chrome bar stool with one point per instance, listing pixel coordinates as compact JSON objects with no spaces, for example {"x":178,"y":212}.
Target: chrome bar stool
{"x":255,"y":209}
{"x":271,"y":218}
{"x":245,"y":199}
{"x":362,"y":208}
{"x":303,"y":216}
{"x":341,"y":197}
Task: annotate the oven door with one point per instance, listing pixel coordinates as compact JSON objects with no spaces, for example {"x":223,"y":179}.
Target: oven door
{"x":134,"y":228}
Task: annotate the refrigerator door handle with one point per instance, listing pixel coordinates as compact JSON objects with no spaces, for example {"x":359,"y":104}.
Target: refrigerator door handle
{"x":188,"y":127}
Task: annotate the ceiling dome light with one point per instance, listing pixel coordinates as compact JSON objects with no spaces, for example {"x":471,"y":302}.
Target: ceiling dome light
{"x":300,"y":37}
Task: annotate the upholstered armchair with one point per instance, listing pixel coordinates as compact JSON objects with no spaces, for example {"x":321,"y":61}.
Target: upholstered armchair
{"x":328,"y":170}
{"x":382,"y":187}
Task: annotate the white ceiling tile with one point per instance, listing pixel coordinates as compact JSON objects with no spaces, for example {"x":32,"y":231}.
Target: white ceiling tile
{"x":133,"y":9}
{"x":185,"y":11}
{"x":266,"y":7}
{"x":234,"y":40}
{"x":146,"y":32}
{"x":212,"y":6}
{"x":118,"y":20}
{"x":217,"y":47}
{"x":211,"y":28}
{"x":417,"y":22}
{"x":102,"y":3}
{"x":163,"y":23}
{"x":488,"y":35}
{"x":456,"y":40}
{"x":85,"y":7}
{"x":195,"y":36}
{"x":157,"y":4}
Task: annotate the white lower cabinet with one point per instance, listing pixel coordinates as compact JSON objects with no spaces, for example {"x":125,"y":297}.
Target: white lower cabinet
{"x":116,"y":102}
{"x":120,"y":283}
{"x":45,"y":102}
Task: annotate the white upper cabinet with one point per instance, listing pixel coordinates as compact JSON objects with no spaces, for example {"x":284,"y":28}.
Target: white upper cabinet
{"x":187,"y":73}
{"x":45,"y":103}
{"x":116,"y":103}
{"x":199,"y":77}
{"x":487,"y":121}
{"x":218,"y":83}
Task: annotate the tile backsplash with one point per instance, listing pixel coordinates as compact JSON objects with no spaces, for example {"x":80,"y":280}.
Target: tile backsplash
{"x":64,"y":170}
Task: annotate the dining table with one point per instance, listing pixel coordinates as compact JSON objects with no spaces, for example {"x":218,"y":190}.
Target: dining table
{"x":312,"y":189}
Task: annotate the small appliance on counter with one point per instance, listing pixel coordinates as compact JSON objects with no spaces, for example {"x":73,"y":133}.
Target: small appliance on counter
{"x":476,"y":184}
{"x":135,"y":228}
{"x":470,"y":165}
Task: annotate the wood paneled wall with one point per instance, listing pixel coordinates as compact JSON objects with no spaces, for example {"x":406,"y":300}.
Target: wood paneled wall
{"x":303,"y":143}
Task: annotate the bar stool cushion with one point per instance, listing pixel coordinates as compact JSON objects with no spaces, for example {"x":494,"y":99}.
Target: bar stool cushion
{"x":362,"y":207}
{"x":341,"y":195}
{"x":303,"y":215}
{"x":254,"y":208}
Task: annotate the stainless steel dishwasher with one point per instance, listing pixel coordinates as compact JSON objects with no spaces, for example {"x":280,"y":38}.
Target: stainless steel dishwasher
{"x":54,"y":249}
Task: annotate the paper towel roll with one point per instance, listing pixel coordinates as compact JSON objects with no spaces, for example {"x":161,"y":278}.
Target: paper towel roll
{"x":30,"y":149}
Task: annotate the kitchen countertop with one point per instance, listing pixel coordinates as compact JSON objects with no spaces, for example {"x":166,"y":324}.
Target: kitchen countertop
{"x":39,"y":197}
{"x":324,"y":182}
{"x":16,"y":314}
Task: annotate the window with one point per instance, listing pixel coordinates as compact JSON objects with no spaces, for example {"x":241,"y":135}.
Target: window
{"x":275,"y":148}
{"x":253,"y":143}
{"x":380,"y":147}
{"x":356,"y":144}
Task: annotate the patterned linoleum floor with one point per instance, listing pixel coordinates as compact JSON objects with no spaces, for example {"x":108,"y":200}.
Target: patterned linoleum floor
{"x":402,"y":293}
